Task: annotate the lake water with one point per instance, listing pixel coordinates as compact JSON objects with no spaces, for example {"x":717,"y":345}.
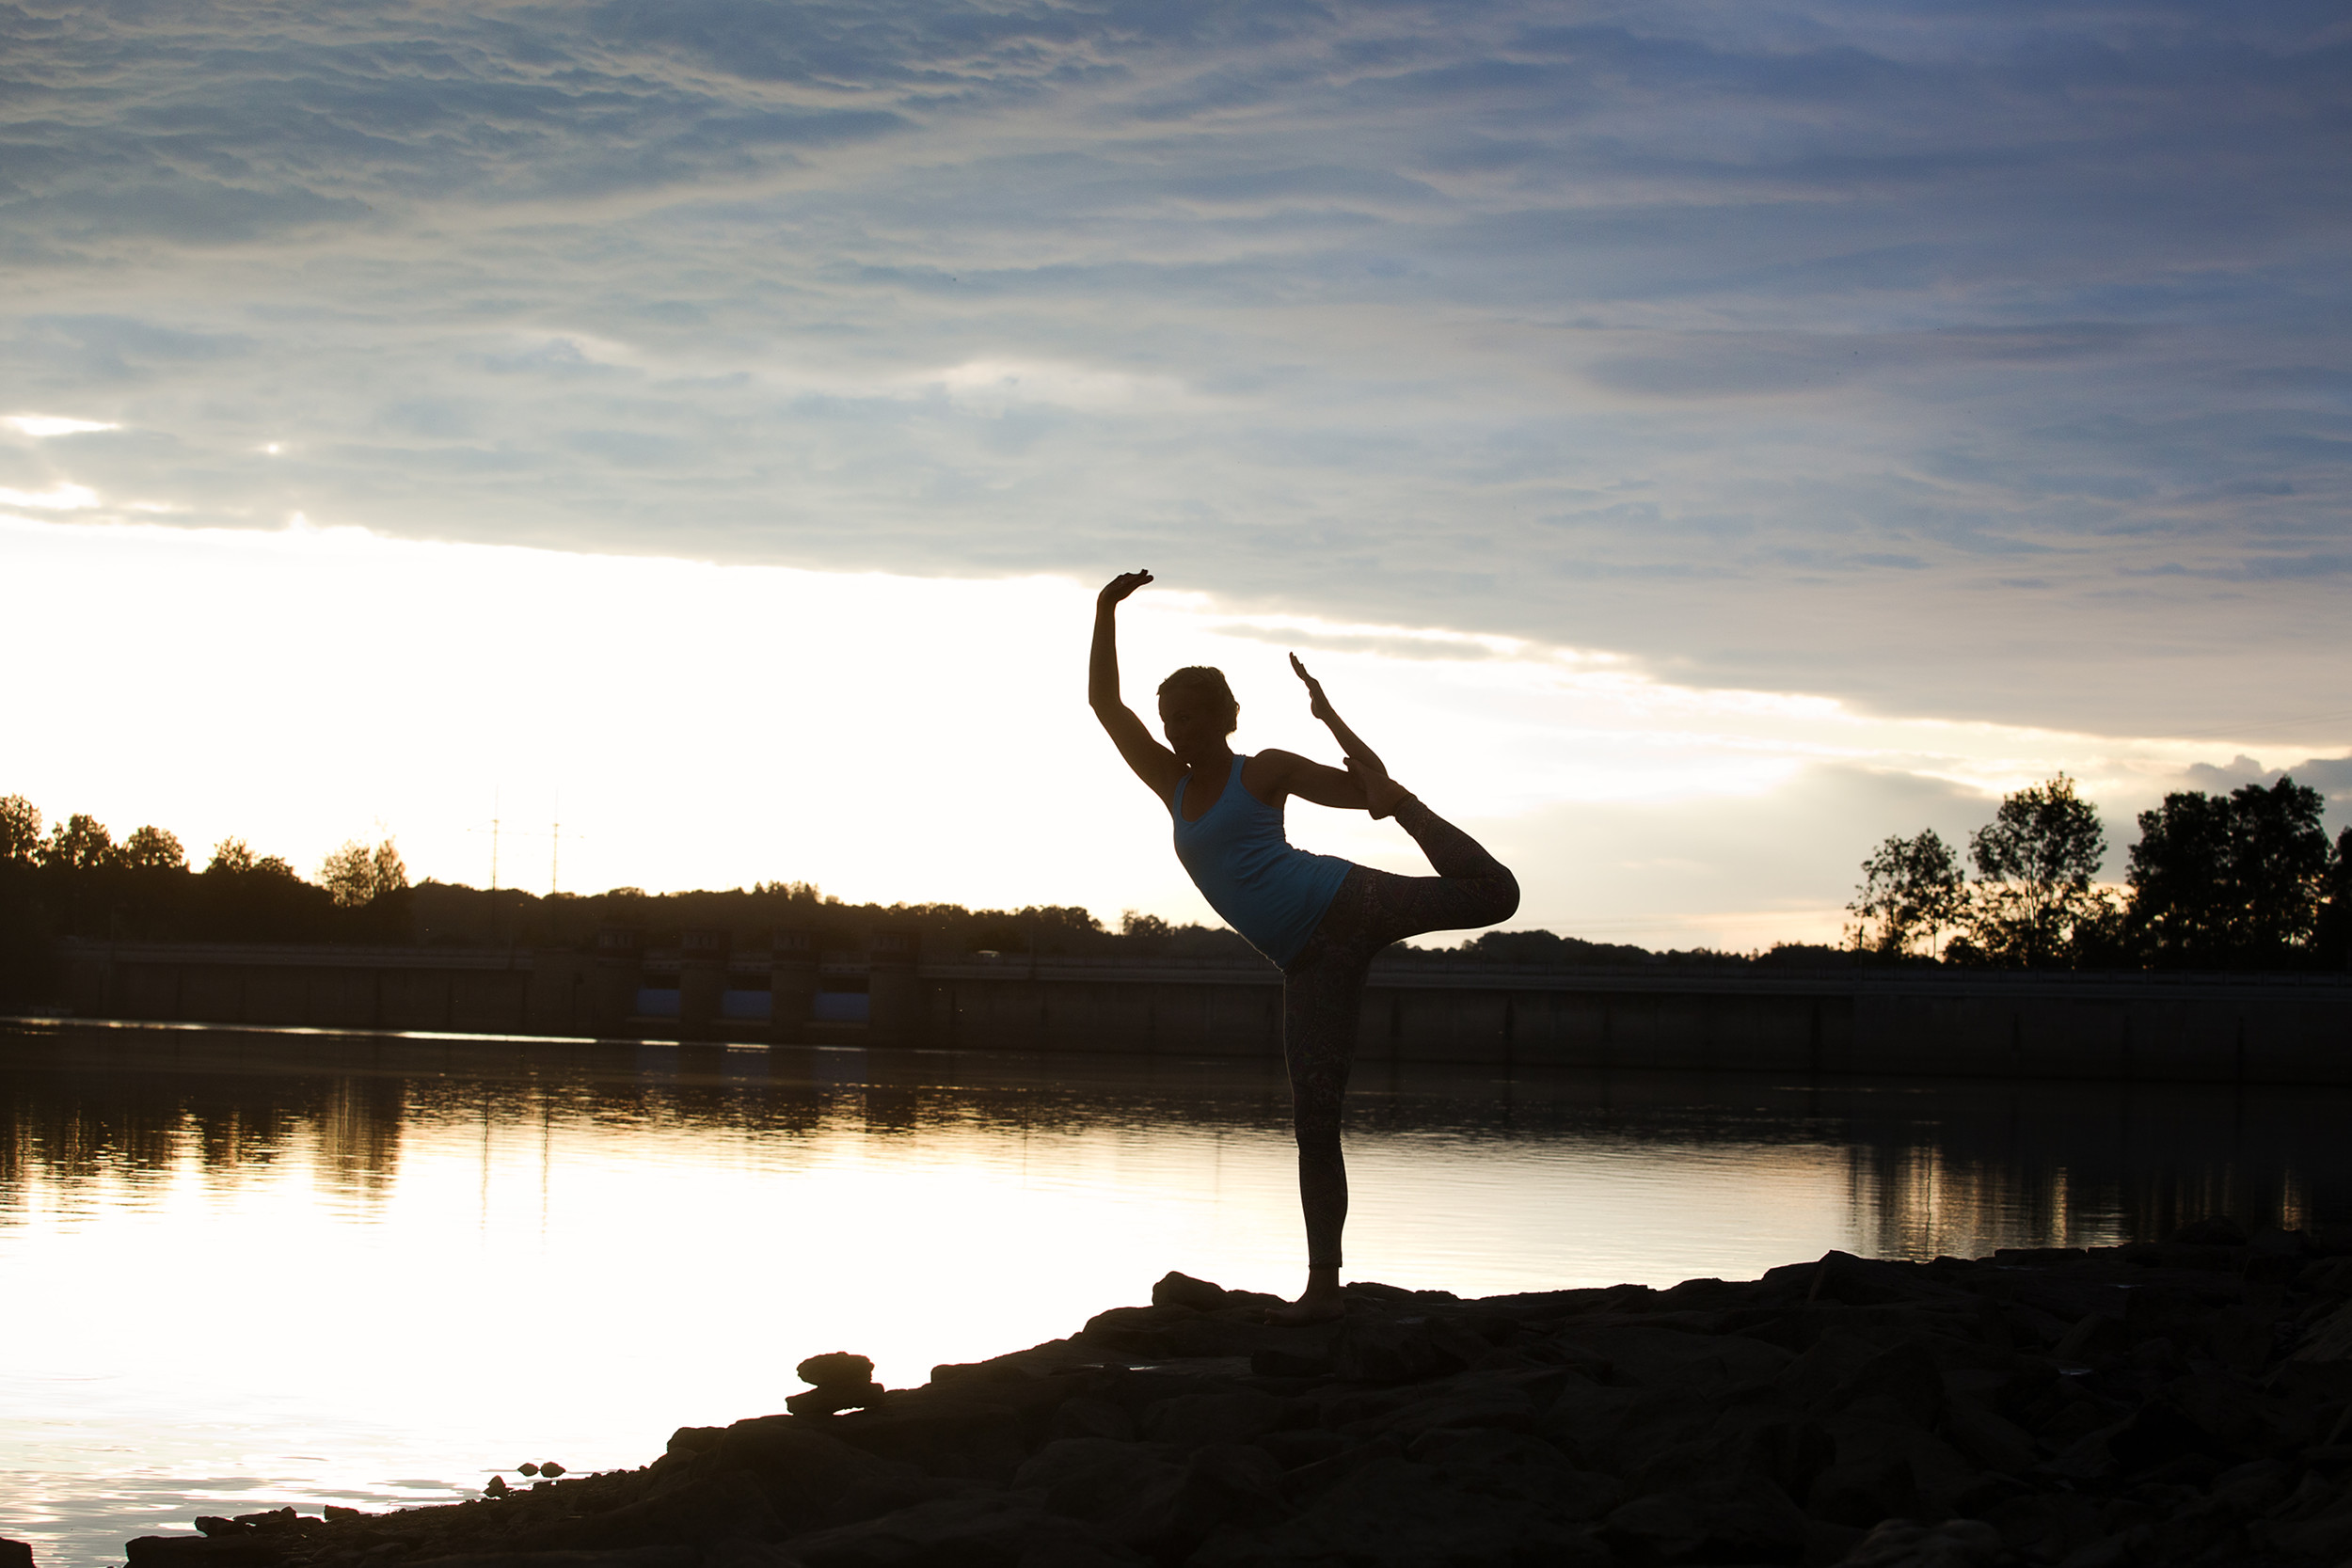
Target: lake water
{"x":242,"y":1270}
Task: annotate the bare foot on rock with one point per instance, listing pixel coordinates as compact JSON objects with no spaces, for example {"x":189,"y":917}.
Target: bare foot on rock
{"x":1323,"y":1303}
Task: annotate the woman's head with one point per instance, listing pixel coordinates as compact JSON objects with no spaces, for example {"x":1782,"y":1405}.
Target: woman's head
{"x":1197,"y":708}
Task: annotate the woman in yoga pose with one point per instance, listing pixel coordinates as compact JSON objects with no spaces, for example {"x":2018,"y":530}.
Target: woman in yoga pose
{"x":1320,"y":918}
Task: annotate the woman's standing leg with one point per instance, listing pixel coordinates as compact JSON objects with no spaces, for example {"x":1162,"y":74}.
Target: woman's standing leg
{"x":1323,"y":993}
{"x":1322,"y":997}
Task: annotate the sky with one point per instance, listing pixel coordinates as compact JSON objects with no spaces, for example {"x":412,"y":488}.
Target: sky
{"x":1696,"y":440}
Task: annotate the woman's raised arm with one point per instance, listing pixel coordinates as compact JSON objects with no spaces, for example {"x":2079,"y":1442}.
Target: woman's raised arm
{"x":1154,"y":763}
{"x":1366,"y":783}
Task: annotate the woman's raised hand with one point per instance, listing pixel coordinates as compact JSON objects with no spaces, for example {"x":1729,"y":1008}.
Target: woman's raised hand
{"x":1121,"y":586}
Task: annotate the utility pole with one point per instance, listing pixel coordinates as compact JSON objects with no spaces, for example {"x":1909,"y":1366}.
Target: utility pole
{"x":494,"y":864}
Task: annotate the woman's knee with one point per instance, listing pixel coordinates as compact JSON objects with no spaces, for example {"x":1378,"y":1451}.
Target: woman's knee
{"x":1502,"y":897}
{"x":1317,"y":1135}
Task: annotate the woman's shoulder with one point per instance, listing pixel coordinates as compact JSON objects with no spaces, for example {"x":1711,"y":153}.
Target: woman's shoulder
{"x":1267,"y":774}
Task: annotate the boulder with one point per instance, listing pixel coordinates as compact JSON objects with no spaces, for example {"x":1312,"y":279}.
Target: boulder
{"x":246,"y":1549}
{"x":1085,"y":1416}
{"x":1306,"y":1446}
{"x":1280,"y":1361}
{"x":1181,"y":1289}
{"x":2218,"y":1230}
{"x":1391,"y":1512}
{"x":980,"y":1531}
{"x":1706,"y":1364}
{"x":1735,"y":1520}
{"x":1372,"y":1347}
{"x":1520,"y":1470}
{"x":837,"y":1369}
{"x":1091,"y":1478}
{"x":700,"y":1510}
{"x":1902,"y":1385}
{"x":1989,"y":1438}
{"x":811,"y":1479}
{"x":1219,"y":1486}
{"x":2096,"y":1340}
{"x":1908,"y":1543}
{"x":1488,"y":1403}
{"x":628,"y":1556}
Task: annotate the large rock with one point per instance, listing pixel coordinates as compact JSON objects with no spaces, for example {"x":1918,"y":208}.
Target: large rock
{"x":1735,"y":1520}
{"x":838,"y":1368}
{"x":1396,"y":1513}
{"x":1375,"y":1346}
{"x":2088,"y":1406}
{"x":244,"y":1550}
{"x":1223,"y":1485}
{"x":700,"y":1510}
{"x":1908,"y":1543}
{"x":981,"y":1532}
{"x":628,"y":1556}
{"x":1188,"y":1420}
{"x":1092,"y":1478}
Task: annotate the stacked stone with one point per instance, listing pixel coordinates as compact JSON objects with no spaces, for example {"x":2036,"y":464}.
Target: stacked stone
{"x":843,"y":1382}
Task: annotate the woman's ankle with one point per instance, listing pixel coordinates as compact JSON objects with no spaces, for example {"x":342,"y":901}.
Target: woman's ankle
{"x":1386,"y":798}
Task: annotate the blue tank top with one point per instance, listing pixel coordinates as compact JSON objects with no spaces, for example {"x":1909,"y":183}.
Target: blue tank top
{"x":1270,"y":891}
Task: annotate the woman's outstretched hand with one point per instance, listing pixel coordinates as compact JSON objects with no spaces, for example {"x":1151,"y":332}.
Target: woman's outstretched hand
{"x":1123,"y":585}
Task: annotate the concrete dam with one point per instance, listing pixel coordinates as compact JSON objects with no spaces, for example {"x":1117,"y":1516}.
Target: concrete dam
{"x":2241,"y":1029}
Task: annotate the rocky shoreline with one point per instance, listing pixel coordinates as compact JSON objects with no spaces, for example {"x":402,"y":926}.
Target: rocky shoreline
{"x":2183,"y":1402}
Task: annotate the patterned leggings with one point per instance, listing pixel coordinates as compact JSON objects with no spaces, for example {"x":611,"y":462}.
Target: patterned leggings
{"x":1323,"y":992}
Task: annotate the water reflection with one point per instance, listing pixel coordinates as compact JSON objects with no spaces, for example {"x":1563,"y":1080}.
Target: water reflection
{"x":254,"y":1269}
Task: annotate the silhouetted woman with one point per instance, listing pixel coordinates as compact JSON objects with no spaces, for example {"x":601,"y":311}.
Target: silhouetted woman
{"x":1320,"y":918}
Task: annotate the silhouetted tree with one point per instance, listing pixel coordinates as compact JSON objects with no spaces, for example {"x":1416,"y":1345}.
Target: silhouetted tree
{"x":1911,"y":891}
{"x":2333,"y":941}
{"x":231,"y":857}
{"x":151,"y":848}
{"x":20,"y":831}
{"x":2280,"y":866}
{"x":1531,"y":949}
{"x":2034,"y":905}
{"x":2236,"y":880}
{"x":80,"y":843}
{"x":359,"y":876}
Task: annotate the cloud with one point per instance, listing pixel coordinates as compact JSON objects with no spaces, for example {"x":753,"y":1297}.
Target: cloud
{"x":41,"y":426}
{"x":1762,"y":345}
{"x":62,"y":497}
{"x":2330,"y":776}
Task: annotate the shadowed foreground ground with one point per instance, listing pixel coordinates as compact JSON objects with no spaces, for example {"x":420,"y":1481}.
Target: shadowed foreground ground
{"x":2183,"y":1402}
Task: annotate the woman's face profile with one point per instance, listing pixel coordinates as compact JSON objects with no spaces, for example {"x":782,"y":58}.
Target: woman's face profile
{"x":1195,"y":722}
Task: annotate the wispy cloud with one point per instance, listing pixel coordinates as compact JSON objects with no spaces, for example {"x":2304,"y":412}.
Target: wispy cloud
{"x":1975,"y":362}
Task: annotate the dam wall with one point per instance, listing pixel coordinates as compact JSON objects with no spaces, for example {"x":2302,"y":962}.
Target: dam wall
{"x":2252,"y":1029}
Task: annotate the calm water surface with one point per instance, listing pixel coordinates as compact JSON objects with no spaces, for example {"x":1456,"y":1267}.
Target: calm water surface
{"x":241,"y":1270}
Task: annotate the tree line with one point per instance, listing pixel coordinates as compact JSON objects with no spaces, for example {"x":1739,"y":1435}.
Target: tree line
{"x":77,"y":880}
{"x":2245,"y":880}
